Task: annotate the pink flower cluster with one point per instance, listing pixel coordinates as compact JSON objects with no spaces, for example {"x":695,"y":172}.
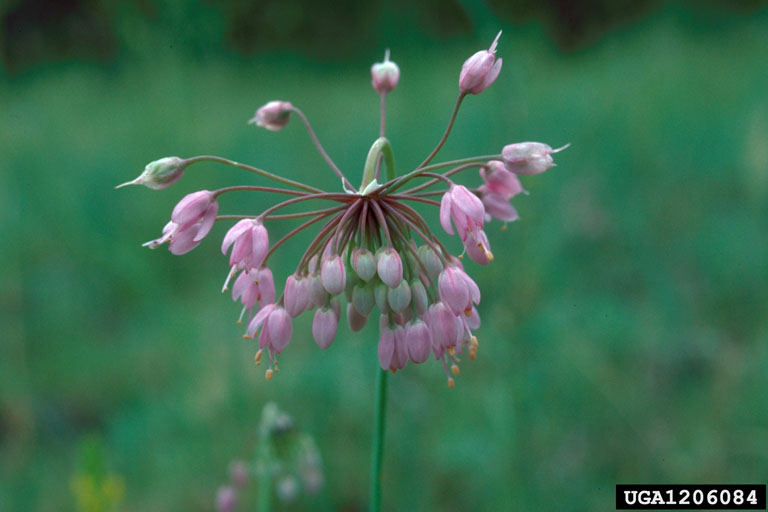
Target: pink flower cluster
{"x":375,"y":255}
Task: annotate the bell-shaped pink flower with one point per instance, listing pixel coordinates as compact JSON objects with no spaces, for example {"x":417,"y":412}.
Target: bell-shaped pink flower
{"x":385,"y":75}
{"x":464,"y":208}
{"x":499,"y":180}
{"x":191,"y":220}
{"x":325,"y":324}
{"x":418,"y":340}
{"x":296,"y":295}
{"x":276,"y":327}
{"x":478,"y":248}
{"x":400,"y":353}
{"x":480,"y":70}
{"x":273,"y":116}
{"x":250,"y":242}
{"x":498,"y":207}
{"x":254,"y":287}
{"x":529,"y":157}
{"x":444,"y":326}
{"x":389,"y":266}
{"x":457,"y":289}
{"x":386,"y":347}
{"x":333,"y":274}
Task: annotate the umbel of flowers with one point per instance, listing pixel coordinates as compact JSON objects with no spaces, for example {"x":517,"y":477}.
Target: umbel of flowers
{"x":373,"y":255}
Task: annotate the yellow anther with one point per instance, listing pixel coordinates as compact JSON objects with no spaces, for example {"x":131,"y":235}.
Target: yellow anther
{"x":393,"y":371}
{"x":455,"y":370}
{"x":504,"y":227}
{"x":246,"y":337}
{"x":473,"y":341}
{"x":461,"y":256}
{"x":451,"y":351}
{"x":489,"y":255}
{"x":239,"y":322}
{"x":257,"y":357}
{"x":450,"y":382}
{"x":468,"y":312}
{"x":269,"y":374}
{"x":277,"y":370}
{"x":472,"y":354}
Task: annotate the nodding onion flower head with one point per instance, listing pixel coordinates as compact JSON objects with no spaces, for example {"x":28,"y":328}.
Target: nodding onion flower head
{"x":371,"y":248}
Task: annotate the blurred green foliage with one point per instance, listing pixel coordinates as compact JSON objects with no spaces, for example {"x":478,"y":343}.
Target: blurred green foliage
{"x":625,"y":334}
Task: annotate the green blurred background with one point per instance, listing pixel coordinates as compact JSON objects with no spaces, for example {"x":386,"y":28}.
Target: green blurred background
{"x":625,"y":334}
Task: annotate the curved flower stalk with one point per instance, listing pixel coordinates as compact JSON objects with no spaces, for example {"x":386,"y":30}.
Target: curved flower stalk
{"x":373,"y":255}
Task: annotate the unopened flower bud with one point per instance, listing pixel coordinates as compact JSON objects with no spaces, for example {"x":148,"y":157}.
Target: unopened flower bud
{"x":317,"y":293}
{"x":333,"y":274}
{"x":380,"y":295}
{"x":480,"y":70}
{"x":386,"y":343}
{"x":499,"y":180}
{"x":385,"y":75}
{"x":296,"y":296}
{"x":160,"y":174}
{"x":389,"y":266}
{"x":529,"y":157}
{"x":355,"y":319}
{"x":363,"y":299}
{"x":399,"y":297}
{"x":324,"y":326}
{"x":272,"y":116}
{"x":419,"y":297}
{"x":364,"y":263}
{"x":418,"y":339}
{"x":430,"y":260}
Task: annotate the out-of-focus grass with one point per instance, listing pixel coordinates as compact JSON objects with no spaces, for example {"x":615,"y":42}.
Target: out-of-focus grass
{"x":624,"y":336}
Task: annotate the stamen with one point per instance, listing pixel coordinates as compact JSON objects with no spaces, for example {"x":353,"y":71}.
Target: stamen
{"x":230,"y":275}
{"x":451,"y":383}
{"x":455,"y":370}
{"x":473,"y":341}
{"x":269,"y":374}
{"x":242,"y":313}
{"x":257,"y":357}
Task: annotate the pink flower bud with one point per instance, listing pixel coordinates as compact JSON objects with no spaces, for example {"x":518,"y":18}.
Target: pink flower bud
{"x":385,"y":75}
{"x":364,"y":263}
{"x":160,"y":174}
{"x":499,"y":180}
{"x":324,"y":326}
{"x":333,"y":274}
{"x":226,"y":499}
{"x":400,"y":353}
{"x":317,"y":293}
{"x":296,"y":295}
{"x":478,"y":248}
{"x":363,"y":299}
{"x":480,"y":70}
{"x":419,"y":341}
{"x":389,"y":266}
{"x":272,"y":116}
{"x":355,"y":319}
{"x":529,"y":157}
{"x":419,"y":297}
{"x":399,"y":298}
{"x":464,"y":208}
{"x":238,"y":473}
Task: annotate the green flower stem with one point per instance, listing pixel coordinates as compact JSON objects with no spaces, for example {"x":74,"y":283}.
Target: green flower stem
{"x":393,"y":185}
{"x":255,"y":170}
{"x":380,"y":147}
{"x":434,"y":152}
{"x":378,"y":440}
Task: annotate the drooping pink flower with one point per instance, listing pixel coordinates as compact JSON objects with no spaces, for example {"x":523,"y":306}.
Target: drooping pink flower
{"x":478,"y":248}
{"x":254,"y":287}
{"x":191,"y":220}
{"x":464,"y":208}
{"x":457,"y":289}
{"x":274,"y":325}
{"x":250,"y":242}
{"x":499,"y":180}
{"x":272,"y":116}
{"x":355,"y":319}
{"x":498,"y":207}
{"x":480,"y":70}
